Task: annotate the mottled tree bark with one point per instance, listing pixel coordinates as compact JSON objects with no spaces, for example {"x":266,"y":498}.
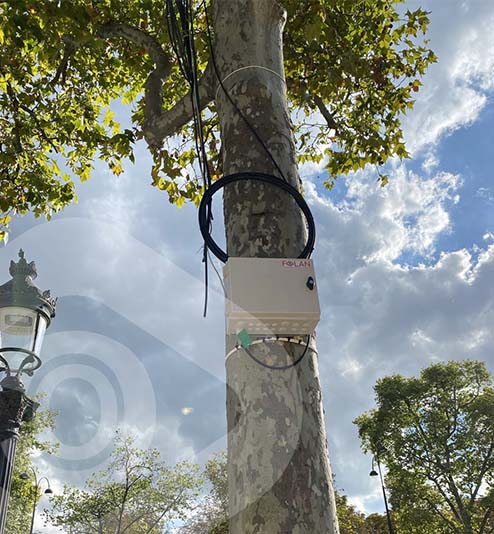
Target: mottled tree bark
{"x":279,"y":475}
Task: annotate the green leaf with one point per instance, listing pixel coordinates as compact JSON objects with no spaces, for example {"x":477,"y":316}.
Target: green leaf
{"x":434,"y":435}
{"x":352,"y":55}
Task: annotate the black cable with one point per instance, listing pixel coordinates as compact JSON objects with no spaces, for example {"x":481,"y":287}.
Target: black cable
{"x":199,"y":138}
{"x":206,"y":203}
{"x":279,"y":367}
{"x":234,"y":104}
{"x":176,"y":37}
{"x":180,"y":24}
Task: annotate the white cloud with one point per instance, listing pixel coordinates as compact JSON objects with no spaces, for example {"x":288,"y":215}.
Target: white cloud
{"x":381,"y":317}
{"x":485,"y":193}
{"x":458,"y":87}
{"x":382,"y":223}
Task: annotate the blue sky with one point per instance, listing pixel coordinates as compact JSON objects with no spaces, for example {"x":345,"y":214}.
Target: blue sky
{"x":406,"y":278}
{"x":469,"y":152}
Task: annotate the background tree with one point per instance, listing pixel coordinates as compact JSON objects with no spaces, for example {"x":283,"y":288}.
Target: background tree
{"x":137,"y":493}
{"x":211,"y":512}
{"x":351,"y":521}
{"x":357,"y":64}
{"x":437,"y":437}
{"x":377,"y":524}
{"x":22,"y":491}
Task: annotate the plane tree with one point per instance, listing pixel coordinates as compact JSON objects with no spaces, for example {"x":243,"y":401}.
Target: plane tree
{"x":352,"y":67}
{"x":277,"y":82}
{"x":435,"y":434}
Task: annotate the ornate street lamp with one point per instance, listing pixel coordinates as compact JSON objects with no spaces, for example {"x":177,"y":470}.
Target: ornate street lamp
{"x":374,"y":473}
{"x":25,"y":314}
{"x":36,"y":487}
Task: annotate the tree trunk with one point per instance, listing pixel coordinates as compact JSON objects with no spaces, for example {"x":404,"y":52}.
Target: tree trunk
{"x":279,"y":475}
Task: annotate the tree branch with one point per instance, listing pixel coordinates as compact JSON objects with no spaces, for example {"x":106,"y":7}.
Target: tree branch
{"x":321,"y":106}
{"x":38,"y":124}
{"x":164,"y":124}
{"x":449,"y":502}
{"x":70,"y":46}
{"x":17,"y":126}
{"x":460,"y":513}
{"x":435,"y":509}
{"x":154,"y":83}
{"x":165,"y":511}
{"x":490,"y":510}
{"x":483,"y":471}
{"x":159,"y":124}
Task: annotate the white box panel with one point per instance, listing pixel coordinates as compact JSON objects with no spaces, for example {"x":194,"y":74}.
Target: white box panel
{"x":271,"y":296}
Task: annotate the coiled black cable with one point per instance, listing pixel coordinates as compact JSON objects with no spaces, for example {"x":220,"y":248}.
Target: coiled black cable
{"x":205,"y":206}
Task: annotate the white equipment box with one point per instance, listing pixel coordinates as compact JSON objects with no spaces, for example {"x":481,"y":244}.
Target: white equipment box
{"x":273,"y":296}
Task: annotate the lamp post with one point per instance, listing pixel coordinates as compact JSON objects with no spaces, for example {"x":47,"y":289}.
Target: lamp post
{"x":36,"y":488}
{"x":374,"y":473}
{"x":25,"y":314}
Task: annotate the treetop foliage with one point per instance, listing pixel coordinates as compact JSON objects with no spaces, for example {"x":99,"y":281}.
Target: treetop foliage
{"x":137,"y":493}
{"x":63,"y":63}
{"x":435,"y":435}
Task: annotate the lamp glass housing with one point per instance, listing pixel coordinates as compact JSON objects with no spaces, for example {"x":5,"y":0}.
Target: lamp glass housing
{"x":21,"y":328}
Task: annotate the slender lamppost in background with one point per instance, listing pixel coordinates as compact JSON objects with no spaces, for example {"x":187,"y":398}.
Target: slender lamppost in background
{"x":36,"y":488}
{"x":25,"y":314}
{"x":374,"y":473}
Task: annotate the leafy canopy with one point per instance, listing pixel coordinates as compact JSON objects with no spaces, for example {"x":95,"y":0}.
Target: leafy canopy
{"x":435,"y":434}
{"x":137,"y":493}
{"x":357,"y":63}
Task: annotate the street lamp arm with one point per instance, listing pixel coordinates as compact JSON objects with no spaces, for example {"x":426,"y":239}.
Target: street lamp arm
{"x":41,"y":479}
{"x":35,"y":475}
{"x":36,"y":488}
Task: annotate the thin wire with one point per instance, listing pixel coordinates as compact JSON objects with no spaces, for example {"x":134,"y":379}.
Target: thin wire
{"x":217,"y":272}
{"x":180,"y":24}
{"x":250,"y":67}
{"x":200,"y":147}
{"x":199,"y":141}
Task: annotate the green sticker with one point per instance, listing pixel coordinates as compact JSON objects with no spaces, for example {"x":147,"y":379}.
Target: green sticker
{"x":244,"y":338}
